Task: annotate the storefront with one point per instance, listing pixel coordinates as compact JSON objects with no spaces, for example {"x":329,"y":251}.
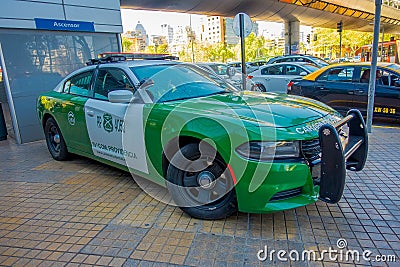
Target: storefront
{"x":40,"y":43}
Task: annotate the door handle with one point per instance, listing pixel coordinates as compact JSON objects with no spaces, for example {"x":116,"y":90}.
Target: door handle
{"x":90,"y":113}
{"x":359,"y":92}
{"x":350,"y":92}
{"x":321,"y":88}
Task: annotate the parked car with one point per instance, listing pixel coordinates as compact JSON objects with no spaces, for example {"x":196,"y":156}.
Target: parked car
{"x":228,"y":73}
{"x":215,"y":148}
{"x":275,"y":77}
{"x":238,"y":66}
{"x":344,"y":86}
{"x":257,"y":64}
{"x":341,"y":60}
{"x":319,"y":62}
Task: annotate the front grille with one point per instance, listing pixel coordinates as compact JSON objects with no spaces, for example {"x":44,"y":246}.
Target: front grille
{"x":286,"y":194}
{"x":311,"y":149}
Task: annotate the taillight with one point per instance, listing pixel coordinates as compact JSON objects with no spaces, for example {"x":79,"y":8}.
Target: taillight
{"x":250,"y":77}
{"x":289,"y":86}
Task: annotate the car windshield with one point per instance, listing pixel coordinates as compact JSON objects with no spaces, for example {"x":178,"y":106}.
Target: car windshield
{"x":320,"y":61}
{"x":310,"y":67}
{"x":169,"y":82}
{"x":395,"y":67}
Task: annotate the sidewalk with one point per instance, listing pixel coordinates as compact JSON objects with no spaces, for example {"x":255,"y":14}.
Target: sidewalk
{"x":81,"y":212}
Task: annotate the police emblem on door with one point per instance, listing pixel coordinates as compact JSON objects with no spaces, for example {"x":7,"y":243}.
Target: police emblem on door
{"x":107,"y":122}
{"x":71,"y":118}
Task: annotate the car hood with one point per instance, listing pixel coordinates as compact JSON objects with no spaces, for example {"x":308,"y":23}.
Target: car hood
{"x":258,"y":109}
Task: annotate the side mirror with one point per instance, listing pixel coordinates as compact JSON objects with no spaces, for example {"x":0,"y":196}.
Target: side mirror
{"x":230,"y":71}
{"x":397,"y":83}
{"x":120,"y":96}
{"x":303,"y":73}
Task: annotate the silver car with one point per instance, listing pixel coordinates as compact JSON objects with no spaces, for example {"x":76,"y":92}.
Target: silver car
{"x":228,"y":73}
{"x":275,"y":77}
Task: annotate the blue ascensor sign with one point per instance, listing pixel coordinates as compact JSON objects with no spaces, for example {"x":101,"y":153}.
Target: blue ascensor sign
{"x":64,"y":25}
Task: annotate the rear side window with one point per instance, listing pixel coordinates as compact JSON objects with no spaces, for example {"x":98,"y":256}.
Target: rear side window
{"x":79,"y":84}
{"x":338,"y":74}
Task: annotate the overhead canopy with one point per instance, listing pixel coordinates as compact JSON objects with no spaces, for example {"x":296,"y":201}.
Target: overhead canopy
{"x":355,"y":14}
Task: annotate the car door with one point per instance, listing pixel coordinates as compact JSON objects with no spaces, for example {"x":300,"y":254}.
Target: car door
{"x":387,"y":93}
{"x":291,"y":72}
{"x":107,"y":125}
{"x":272,"y":77}
{"x":387,"y":97}
{"x":69,"y":111}
{"x":335,"y":87}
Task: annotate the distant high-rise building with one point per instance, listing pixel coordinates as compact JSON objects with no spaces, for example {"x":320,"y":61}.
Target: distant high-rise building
{"x":138,"y":37}
{"x":168,"y":32}
{"x":217,"y":29}
{"x":213,"y":30}
{"x":180,"y":40}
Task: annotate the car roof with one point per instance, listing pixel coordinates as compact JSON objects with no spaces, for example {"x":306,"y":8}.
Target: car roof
{"x":287,"y":63}
{"x":126,"y":64}
{"x":316,"y":73}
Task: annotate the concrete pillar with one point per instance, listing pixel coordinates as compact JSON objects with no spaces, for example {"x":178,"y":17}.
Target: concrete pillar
{"x":292,"y":37}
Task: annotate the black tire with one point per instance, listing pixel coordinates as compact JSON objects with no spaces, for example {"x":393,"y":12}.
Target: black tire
{"x":262,"y":88}
{"x":183,"y":182}
{"x":55,"y":141}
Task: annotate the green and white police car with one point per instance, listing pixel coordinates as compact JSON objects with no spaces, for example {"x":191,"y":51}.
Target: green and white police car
{"x":215,"y":148}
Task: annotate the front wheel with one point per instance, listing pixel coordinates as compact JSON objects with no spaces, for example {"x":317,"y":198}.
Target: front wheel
{"x":200,"y":183}
{"x":55,"y":141}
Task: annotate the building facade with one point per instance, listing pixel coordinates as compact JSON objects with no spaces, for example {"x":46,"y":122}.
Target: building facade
{"x":216,"y":29}
{"x":40,"y":43}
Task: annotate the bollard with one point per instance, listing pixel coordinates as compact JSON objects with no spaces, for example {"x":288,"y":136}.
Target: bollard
{"x":3,"y":128}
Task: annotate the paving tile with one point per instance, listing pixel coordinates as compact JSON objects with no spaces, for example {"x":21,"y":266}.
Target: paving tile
{"x":81,"y":212}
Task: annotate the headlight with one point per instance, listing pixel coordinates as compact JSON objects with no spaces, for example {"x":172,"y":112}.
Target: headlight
{"x":269,"y":150}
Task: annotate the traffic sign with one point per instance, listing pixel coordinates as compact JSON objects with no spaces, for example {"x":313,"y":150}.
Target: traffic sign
{"x":248,"y":25}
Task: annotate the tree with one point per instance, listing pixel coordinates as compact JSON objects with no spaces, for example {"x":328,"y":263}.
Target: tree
{"x":327,"y":43}
{"x":159,"y":49}
{"x":126,"y":44}
{"x":255,"y":47}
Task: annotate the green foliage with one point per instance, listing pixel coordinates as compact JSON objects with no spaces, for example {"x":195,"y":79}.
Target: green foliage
{"x":160,"y":49}
{"x":126,"y":44}
{"x":207,"y":53}
{"x":255,"y":47}
{"x":328,"y":42}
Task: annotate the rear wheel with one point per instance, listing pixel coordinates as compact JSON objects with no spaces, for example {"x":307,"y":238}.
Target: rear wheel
{"x":200,"y":184}
{"x":55,"y":140}
{"x":261,"y":87}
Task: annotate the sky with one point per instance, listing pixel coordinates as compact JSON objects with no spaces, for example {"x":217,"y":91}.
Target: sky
{"x":152,"y":21}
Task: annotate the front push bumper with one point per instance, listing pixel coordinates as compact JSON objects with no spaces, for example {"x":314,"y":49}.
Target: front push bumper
{"x":340,"y":150}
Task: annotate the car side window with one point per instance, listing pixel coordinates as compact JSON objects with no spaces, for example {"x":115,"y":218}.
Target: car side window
{"x":338,"y":74}
{"x":292,"y":70}
{"x":394,"y":80}
{"x":79,"y":84}
{"x":273,"y":70}
{"x":110,"y":80}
